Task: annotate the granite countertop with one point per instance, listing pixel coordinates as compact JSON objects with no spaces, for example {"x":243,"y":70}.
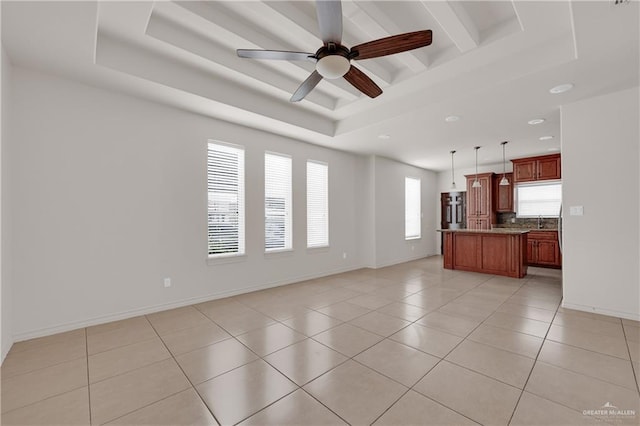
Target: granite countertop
{"x":508,"y":231}
{"x":525,"y":229}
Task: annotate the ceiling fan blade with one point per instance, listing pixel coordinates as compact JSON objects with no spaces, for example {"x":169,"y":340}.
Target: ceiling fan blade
{"x":306,"y":87}
{"x":330,"y":20}
{"x":275,"y":54}
{"x":391,"y":45}
{"x":362,"y":82}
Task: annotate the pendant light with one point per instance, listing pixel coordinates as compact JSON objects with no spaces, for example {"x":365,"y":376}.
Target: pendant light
{"x":453,"y":178}
{"x":476,"y":183}
{"x":504,"y":181}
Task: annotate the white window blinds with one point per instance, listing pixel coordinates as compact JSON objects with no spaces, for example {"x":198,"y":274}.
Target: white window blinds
{"x":539,"y":199}
{"x":412,"y":211}
{"x":317,"y":204}
{"x":277,"y":202}
{"x":225,"y":182}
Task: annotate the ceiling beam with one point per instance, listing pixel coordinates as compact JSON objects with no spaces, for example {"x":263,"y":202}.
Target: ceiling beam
{"x":153,"y":66}
{"x":455,"y":21}
{"x":177,"y":35}
{"x":371,"y":19}
{"x":241,"y":34}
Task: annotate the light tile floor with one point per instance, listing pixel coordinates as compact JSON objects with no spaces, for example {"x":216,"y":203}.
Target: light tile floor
{"x":408,"y":344}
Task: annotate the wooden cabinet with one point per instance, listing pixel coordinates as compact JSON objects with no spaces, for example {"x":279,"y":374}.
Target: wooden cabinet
{"x":489,"y":252}
{"x":478,"y":223}
{"x":480,"y":213}
{"x":545,"y":167}
{"x":543,"y":249}
{"x":503,"y":194}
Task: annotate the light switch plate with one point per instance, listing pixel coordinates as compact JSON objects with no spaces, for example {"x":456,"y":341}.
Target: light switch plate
{"x":576,"y":210}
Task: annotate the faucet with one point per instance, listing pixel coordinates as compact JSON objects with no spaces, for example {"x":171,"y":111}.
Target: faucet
{"x":539,"y":221}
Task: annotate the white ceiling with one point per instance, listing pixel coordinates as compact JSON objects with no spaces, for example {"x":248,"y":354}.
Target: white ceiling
{"x":491,"y":63}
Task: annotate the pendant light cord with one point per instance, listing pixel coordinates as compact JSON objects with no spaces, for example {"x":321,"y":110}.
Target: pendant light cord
{"x":504,"y":161}
{"x":453,"y":178}
{"x":476,"y":182}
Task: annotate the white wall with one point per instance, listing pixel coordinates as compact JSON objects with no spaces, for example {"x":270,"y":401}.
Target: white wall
{"x":367,"y":237}
{"x":390,"y":245}
{"x":600,"y":162}
{"x":6,"y":338}
{"x":110,"y":198}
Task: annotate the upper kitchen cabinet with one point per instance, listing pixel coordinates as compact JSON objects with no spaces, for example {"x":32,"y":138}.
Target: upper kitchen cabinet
{"x":480,"y":212}
{"x":503,"y":194}
{"x":544,"y":167}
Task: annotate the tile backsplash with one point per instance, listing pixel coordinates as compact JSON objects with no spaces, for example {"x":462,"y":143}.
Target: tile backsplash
{"x":509,"y":220}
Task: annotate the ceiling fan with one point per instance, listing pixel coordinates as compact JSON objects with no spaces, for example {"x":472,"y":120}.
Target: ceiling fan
{"x":333,"y":60}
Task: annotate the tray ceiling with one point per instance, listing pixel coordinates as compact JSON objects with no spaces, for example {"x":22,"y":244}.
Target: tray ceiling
{"x":491,"y":63}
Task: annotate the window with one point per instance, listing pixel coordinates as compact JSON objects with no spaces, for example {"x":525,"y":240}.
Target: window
{"x":225,"y":183}
{"x":277,"y":202}
{"x":317,"y":204}
{"x":412,"y":213}
{"x":538,"y":199}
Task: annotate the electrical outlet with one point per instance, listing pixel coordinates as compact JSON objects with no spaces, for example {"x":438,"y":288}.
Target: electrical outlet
{"x":167,"y":282}
{"x":413,"y":247}
{"x":576,"y":211}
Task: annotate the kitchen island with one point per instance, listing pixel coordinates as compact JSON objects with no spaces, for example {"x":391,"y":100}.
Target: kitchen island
{"x":500,"y":251}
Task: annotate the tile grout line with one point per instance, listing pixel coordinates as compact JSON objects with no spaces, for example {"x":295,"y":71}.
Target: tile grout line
{"x":182,"y":370}
{"x":321,"y":403}
{"x":465,"y":338}
{"x":586,"y":349}
{"x":633,"y":368}
{"x":43,"y":368}
{"x":146,"y":405}
{"x":86,"y":347}
{"x":262,"y":358}
{"x":235,"y":368}
{"x":410,"y":323}
{"x":411,"y":388}
{"x":533,"y":366}
{"x":349,"y":358}
{"x":383,"y":338}
{"x":352,"y":358}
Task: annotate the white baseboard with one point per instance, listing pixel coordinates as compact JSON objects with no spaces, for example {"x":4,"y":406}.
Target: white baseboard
{"x":59,"y":328}
{"x":594,"y":310}
{"x":403,"y":260}
{"x":5,"y":350}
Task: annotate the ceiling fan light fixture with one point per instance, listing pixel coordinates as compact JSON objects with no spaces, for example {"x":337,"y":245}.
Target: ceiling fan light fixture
{"x":333,"y":66}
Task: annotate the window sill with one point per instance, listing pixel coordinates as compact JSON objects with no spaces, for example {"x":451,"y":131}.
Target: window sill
{"x":319,"y":249}
{"x":222,"y":260}
{"x":413,"y":238}
{"x":274,"y":254}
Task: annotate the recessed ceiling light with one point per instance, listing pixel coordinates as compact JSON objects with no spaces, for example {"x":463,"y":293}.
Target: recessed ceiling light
{"x":384,"y":136}
{"x":545,"y":138}
{"x":561,"y":88}
{"x":536,"y":121}
{"x":553,"y":149}
{"x":451,"y":118}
